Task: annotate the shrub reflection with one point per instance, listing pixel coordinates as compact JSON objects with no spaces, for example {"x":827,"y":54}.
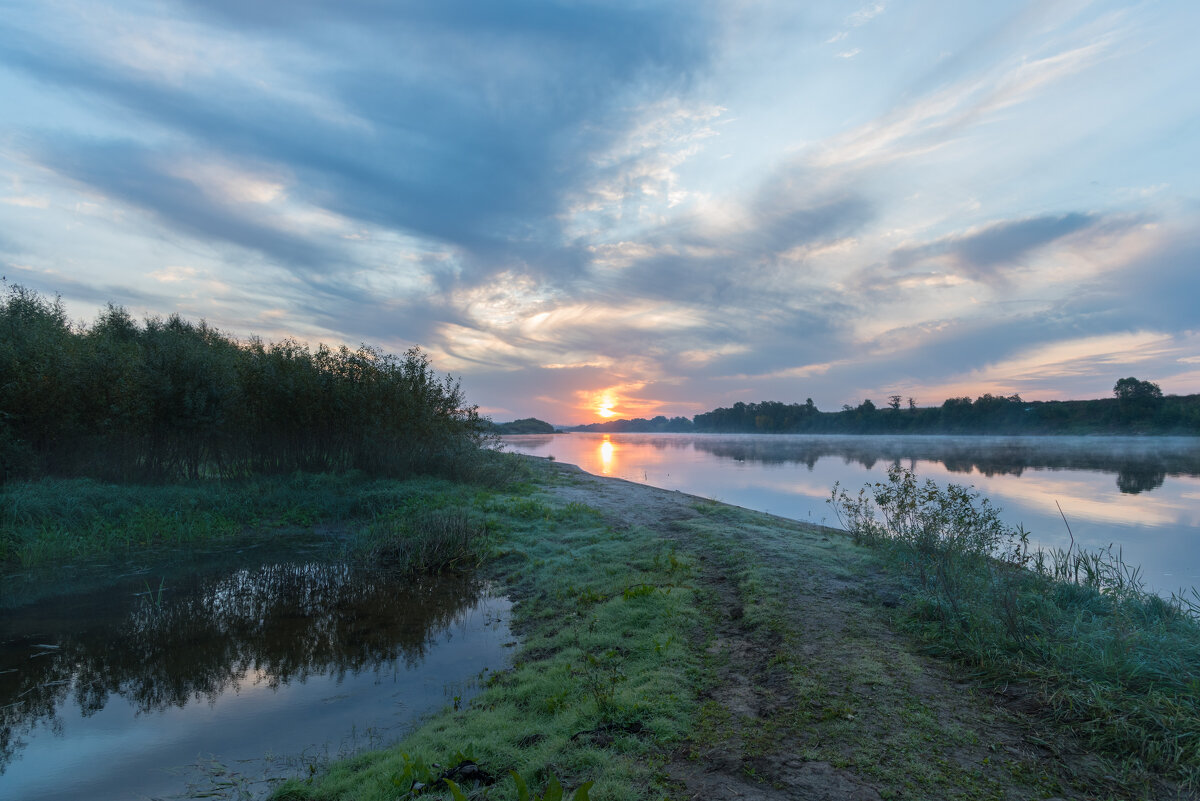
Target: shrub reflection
{"x":169,"y":645}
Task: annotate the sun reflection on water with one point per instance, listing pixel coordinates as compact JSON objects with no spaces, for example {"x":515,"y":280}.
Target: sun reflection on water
{"x":606,"y":455}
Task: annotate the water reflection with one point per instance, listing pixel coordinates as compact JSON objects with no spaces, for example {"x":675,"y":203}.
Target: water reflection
{"x":161,"y":647}
{"x":1140,"y":464}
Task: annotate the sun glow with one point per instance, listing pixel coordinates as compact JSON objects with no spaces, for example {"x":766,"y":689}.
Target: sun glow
{"x":604,"y":405}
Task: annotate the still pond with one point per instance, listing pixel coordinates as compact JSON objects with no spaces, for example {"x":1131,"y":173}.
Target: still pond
{"x":217,"y":677}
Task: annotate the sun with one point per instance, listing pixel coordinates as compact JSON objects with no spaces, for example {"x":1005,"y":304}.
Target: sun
{"x":604,"y":404}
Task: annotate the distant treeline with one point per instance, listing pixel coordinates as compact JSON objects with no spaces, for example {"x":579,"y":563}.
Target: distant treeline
{"x":526,"y":425}
{"x":1137,"y":407}
{"x":657,"y":425}
{"x":169,"y":399}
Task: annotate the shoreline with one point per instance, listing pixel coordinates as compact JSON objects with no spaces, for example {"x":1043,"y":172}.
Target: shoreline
{"x":672,"y":646}
{"x":789,"y":671}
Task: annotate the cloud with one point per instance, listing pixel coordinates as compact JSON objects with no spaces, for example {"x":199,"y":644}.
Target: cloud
{"x":470,"y":126}
{"x":1008,"y":242}
{"x":140,"y":177}
{"x":865,"y":14}
{"x":987,"y":253}
{"x":1155,"y":289}
{"x":929,"y":120}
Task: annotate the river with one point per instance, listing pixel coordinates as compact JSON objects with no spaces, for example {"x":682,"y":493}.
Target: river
{"x":1141,"y":495}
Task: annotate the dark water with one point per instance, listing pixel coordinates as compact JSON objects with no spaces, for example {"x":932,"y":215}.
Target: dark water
{"x":1139,"y":494}
{"x":218,"y":681}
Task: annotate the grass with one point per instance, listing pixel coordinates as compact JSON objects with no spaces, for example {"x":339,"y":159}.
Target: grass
{"x":1092,"y":649}
{"x":603,"y":688}
{"x":50,"y":522}
{"x":625,"y":668}
{"x":722,"y":630}
{"x":837,"y":686}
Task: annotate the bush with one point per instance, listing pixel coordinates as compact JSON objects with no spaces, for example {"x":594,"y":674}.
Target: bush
{"x":172,"y":399}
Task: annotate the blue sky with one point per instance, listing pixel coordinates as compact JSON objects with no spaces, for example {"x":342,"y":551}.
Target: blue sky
{"x":640,"y":208}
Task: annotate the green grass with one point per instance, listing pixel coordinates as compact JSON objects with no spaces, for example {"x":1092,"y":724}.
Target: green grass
{"x":1095,"y":652}
{"x":626,"y":635}
{"x":50,"y":522}
{"x":841,"y":688}
{"x":604,"y":686}
{"x":620,"y":670}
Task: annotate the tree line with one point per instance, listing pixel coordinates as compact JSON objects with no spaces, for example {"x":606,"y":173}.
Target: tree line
{"x":1137,"y":407}
{"x":172,"y":399}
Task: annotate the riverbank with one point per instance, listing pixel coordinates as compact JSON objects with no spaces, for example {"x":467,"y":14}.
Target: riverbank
{"x":669,"y":646}
{"x":674,"y":647}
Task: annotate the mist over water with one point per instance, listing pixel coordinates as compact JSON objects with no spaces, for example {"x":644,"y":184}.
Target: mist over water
{"x":1139,"y":494}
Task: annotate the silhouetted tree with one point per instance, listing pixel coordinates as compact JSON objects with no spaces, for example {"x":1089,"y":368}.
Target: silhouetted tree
{"x":1137,"y":400}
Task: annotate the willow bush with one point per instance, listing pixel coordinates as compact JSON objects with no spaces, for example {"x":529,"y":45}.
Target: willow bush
{"x":172,"y":399}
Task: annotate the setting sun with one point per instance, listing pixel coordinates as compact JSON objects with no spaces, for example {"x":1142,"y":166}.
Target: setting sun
{"x":604,"y":404}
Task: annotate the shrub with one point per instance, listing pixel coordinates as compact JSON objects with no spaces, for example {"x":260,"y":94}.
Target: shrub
{"x":171,"y":399}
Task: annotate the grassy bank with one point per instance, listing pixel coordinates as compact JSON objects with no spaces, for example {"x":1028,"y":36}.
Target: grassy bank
{"x":678,"y":648}
{"x":1092,"y":649}
{"x":52,"y":522}
{"x":607,"y":681}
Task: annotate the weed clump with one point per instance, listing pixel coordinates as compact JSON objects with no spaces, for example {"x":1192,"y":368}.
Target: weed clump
{"x":1101,"y":655}
{"x":428,"y":542}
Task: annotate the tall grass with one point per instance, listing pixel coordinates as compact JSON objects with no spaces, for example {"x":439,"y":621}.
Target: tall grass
{"x":1077,"y":628}
{"x":171,"y":399}
{"x":431,"y":540}
{"x":61,"y":520}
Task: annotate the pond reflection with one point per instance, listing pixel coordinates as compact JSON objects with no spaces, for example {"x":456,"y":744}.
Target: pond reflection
{"x":149,"y":647}
{"x":1136,"y":493}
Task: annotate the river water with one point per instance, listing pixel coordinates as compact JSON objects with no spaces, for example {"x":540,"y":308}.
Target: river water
{"x":1140,"y":495}
{"x":214,"y":681}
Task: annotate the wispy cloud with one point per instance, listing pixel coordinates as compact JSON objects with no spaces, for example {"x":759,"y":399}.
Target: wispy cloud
{"x":865,"y":14}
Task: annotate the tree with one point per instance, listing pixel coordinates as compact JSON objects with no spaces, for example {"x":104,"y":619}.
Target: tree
{"x":1130,"y":389}
{"x":1137,"y":399}
{"x":894,"y":402}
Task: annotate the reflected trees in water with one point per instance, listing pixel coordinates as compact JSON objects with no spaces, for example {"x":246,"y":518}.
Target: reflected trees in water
{"x":169,"y":646}
{"x":1140,"y":465}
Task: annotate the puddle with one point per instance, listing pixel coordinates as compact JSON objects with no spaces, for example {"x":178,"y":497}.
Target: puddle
{"x":218,"y":683}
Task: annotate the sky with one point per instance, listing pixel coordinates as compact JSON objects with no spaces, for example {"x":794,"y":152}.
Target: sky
{"x":591,"y":209}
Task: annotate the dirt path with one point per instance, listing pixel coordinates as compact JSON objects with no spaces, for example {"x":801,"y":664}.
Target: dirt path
{"x":814,"y":693}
